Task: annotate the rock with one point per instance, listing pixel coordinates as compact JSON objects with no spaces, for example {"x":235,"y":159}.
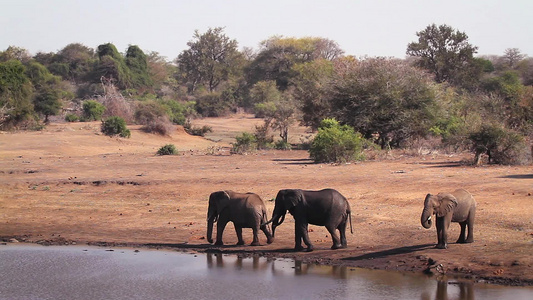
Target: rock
{"x":13,"y":240}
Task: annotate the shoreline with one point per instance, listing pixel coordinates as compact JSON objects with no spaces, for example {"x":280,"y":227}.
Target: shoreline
{"x":306,"y":257}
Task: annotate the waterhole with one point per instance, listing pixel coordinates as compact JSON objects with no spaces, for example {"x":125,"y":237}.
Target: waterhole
{"x":78,"y":272}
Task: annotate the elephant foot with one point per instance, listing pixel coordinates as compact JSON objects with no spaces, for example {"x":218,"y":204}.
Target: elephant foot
{"x":240,"y":243}
{"x":269,"y":241}
{"x":335,"y":246}
{"x":441,"y":246}
{"x":460,"y":242}
{"x":255,"y":244}
{"x":219,"y":243}
{"x":298,"y":248}
{"x":468,"y":241}
{"x":309,"y":248}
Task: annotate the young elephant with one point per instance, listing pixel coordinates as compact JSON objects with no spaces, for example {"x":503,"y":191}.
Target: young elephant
{"x":244,"y":210}
{"x":324,"y":208}
{"x":458,"y":206}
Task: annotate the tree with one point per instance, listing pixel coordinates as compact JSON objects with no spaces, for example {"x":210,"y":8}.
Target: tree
{"x":137,"y":63}
{"x":383,"y":97}
{"x":512,"y":57}
{"x":278,"y":56}
{"x":16,"y":92}
{"x":111,"y":66}
{"x":212,"y":58}
{"x":74,"y":62}
{"x":443,"y":51}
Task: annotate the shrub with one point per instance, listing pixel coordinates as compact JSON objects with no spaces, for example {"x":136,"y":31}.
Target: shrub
{"x":246,"y":142}
{"x":263,"y":138}
{"x":282,"y":145}
{"x":152,"y":116}
{"x":337,"y":143}
{"x":501,"y":145}
{"x":168,"y":149}
{"x":72,"y":118}
{"x":197,"y":131}
{"x":92,"y":111}
{"x":115,"y":126}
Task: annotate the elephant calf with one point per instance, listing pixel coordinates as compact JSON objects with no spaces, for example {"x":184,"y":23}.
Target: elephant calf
{"x":458,"y":206}
{"x":324,"y":208}
{"x":244,"y":210}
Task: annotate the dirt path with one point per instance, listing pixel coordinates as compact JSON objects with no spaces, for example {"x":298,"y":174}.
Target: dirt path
{"x":69,"y":183}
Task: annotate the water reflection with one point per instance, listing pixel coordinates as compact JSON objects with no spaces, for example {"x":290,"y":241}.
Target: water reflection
{"x":432,"y":289}
{"x":466,"y":291}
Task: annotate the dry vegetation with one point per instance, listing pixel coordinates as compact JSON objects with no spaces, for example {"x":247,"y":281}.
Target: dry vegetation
{"x":69,"y":183}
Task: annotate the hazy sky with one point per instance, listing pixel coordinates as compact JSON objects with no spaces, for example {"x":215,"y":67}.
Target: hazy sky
{"x":360,"y":27}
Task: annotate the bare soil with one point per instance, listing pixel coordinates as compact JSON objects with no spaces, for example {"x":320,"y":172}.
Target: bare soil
{"x":71,"y":184}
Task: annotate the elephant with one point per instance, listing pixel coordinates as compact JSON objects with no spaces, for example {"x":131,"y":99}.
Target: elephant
{"x":245,"y":210}
{"x":326,"y":207}
{"x":458,"y":206}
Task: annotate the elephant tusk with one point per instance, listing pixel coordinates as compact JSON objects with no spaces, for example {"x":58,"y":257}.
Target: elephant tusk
{"x":429,"y":218}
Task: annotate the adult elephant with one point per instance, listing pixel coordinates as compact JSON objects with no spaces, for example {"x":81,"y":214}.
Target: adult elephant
{"x":245,"y":210}
{"x":458,"y":206}
{"x":324,"y":208}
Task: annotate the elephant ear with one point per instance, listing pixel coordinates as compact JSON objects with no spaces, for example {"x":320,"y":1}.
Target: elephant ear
{"x":292,"y":198}
{"x":447,"y":203}
{"x":221,"y":199}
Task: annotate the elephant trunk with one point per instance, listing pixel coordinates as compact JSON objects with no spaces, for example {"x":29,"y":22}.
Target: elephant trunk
{"x":212,"y":217}
{"x":276,"y":221}
{"x":425,"y":219}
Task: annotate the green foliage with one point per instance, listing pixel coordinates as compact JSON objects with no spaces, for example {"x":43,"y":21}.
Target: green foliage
{"x":245,"y":143}
{"x":447,"y":127}
{"x":179,"y":112}
{"x":47,"y":102}
{"x":137,"y":63}
{"x":383,"y":97}
{"x":112,"y":66}
{"x":443,"y":51}
{"x":72,"y":118}
{"x":502,"y":146}
{"x":213,"y":105}
{"x":168,"y":149}
{"x":282,"y":145}
{"x":212,"y":58}
{"x":336,"y":143}
{"x":15,"y":94}
{"x":197,"y":131}
{"x":92,"y":111}
{"x":115,"y":126}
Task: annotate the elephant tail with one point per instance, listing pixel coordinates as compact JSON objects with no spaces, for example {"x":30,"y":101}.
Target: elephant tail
{"x":350,"y":217}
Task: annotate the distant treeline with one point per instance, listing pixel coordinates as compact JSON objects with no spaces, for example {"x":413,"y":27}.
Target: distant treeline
{"x":441,"y":91}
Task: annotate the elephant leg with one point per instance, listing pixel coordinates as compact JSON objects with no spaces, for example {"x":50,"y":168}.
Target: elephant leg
{"x":297,"y":238}
{"x":461,"y":238}
{"x":238,"y":230}
{"x":305,"y":237}
{"x":342,"y":231}
{"x":334,"y":237}
{"x":441,"y":234}
{"x":470,"y":225}
{"x":268,"y":234}
{"x":255,"y":241}
{"x":220,"y":230}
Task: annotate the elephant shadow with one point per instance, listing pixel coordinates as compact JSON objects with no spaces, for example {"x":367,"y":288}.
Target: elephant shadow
{"x":391,"y":252}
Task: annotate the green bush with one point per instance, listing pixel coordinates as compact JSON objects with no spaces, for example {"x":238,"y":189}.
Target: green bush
{"x":246,"y":142}
{"x":282,"y":145}
{"x":337,"y":143}
{"x":92,"y":111}
{"x":72,"y":118}
{"x":115,"y":126}
{"x":502,"y":146}
{"x":197,"y":131}
{"x":168,"y":149}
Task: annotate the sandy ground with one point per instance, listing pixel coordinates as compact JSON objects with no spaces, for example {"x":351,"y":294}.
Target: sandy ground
{"x":70,"y":184}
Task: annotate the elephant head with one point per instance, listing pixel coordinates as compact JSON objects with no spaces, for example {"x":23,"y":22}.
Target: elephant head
{"x":285,"y":200}
{"x":218,"y":201}
{"x":440,"y":205}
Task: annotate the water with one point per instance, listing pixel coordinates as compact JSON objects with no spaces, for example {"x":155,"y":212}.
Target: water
{"x":76,"y":272}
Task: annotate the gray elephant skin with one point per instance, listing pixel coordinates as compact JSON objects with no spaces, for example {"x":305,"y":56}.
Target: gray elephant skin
{"x":458,"y":206}
{"x":324,"y":208}
{"x":245,"y":210}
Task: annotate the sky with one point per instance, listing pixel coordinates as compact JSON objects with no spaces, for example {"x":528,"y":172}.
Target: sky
{"x":360,"y":27}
